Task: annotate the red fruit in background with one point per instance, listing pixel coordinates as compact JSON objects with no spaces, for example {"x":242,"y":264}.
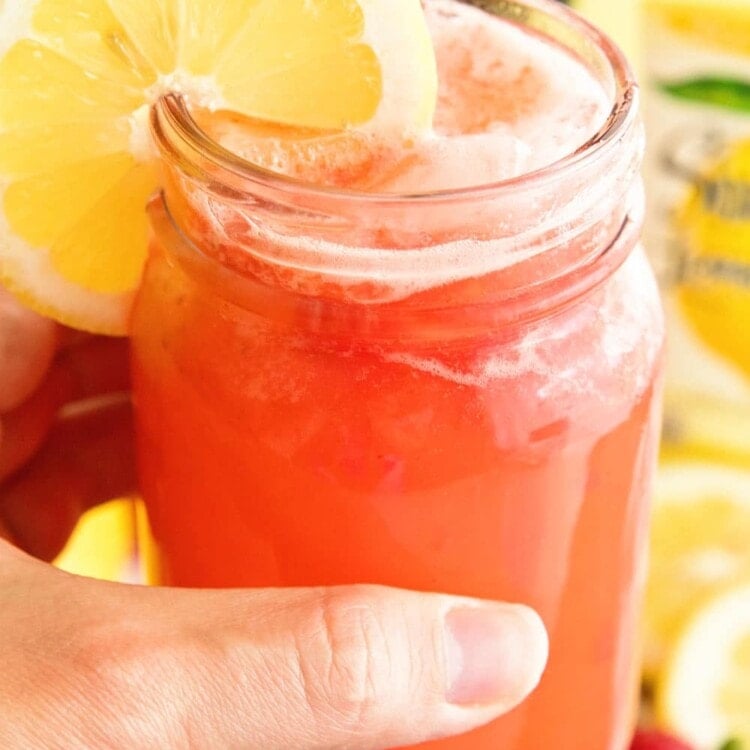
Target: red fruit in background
{"x":658,"y":741}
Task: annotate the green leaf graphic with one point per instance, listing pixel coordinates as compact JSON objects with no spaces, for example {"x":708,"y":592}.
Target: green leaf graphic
{"x":728,"y":93}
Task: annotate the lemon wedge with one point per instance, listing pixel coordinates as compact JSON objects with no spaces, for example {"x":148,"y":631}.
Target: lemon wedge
{"x":699,"y":545}
{"x":705,"y":694}
{"x":722,"y":25}
{"x":77,"y":78}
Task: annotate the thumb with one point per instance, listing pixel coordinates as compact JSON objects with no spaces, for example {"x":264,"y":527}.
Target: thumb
{"x":354,"y":667}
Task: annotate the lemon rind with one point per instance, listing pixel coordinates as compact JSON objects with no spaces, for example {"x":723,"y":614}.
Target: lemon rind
{"x":699,"y":665}
{"x":29,"y":274}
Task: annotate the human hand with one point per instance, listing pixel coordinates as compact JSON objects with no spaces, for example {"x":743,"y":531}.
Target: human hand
{"x":65,"y":427}
{"x":100,"y":665}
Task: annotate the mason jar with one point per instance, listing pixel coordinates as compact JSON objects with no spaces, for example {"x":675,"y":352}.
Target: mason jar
{"x":456,"y":391}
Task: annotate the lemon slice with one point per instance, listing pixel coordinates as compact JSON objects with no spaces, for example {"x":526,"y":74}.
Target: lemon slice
{"x":699,"y":544}
{"x":77,"y":78}
{"x":705,"y":694}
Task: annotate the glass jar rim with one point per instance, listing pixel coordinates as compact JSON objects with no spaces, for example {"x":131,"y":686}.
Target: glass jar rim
{"x":180,"y":137}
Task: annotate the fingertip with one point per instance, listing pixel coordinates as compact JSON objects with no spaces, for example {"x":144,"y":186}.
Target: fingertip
{"x":496,"y":655}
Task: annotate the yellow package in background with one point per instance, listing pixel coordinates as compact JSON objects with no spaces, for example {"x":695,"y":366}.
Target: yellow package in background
{"x":697,"y":86}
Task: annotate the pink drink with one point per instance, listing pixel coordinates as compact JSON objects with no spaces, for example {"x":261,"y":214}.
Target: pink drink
{"x":455,"y":392}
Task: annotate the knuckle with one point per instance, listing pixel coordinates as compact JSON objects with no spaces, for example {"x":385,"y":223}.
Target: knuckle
{"x":117,"y":667}
{"x":109,"y":663}
{"x":345,"y":660}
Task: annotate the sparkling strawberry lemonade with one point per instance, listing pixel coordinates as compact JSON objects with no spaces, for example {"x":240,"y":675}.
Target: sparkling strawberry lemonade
{"x":430,"y":361}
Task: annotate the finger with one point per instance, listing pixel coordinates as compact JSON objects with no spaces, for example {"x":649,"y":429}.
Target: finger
{"x":308,"y":669}
{"x":93,"y":367}
{"x":26,"y":427}
{"x":354,"y":667}
{"x":87,"y":459}
{"x":27,"y":346}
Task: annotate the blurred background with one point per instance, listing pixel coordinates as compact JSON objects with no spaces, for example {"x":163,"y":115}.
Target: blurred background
{"x":693,"y":58}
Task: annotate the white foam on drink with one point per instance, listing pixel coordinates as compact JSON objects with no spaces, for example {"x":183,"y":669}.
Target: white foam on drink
{"x":624,"y":320}
{"x":586,"y":367}
{"x":439,"y":162}
{"x":512,"y":363}
{"x":510,"y":102}
{"x":364,"y":273}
